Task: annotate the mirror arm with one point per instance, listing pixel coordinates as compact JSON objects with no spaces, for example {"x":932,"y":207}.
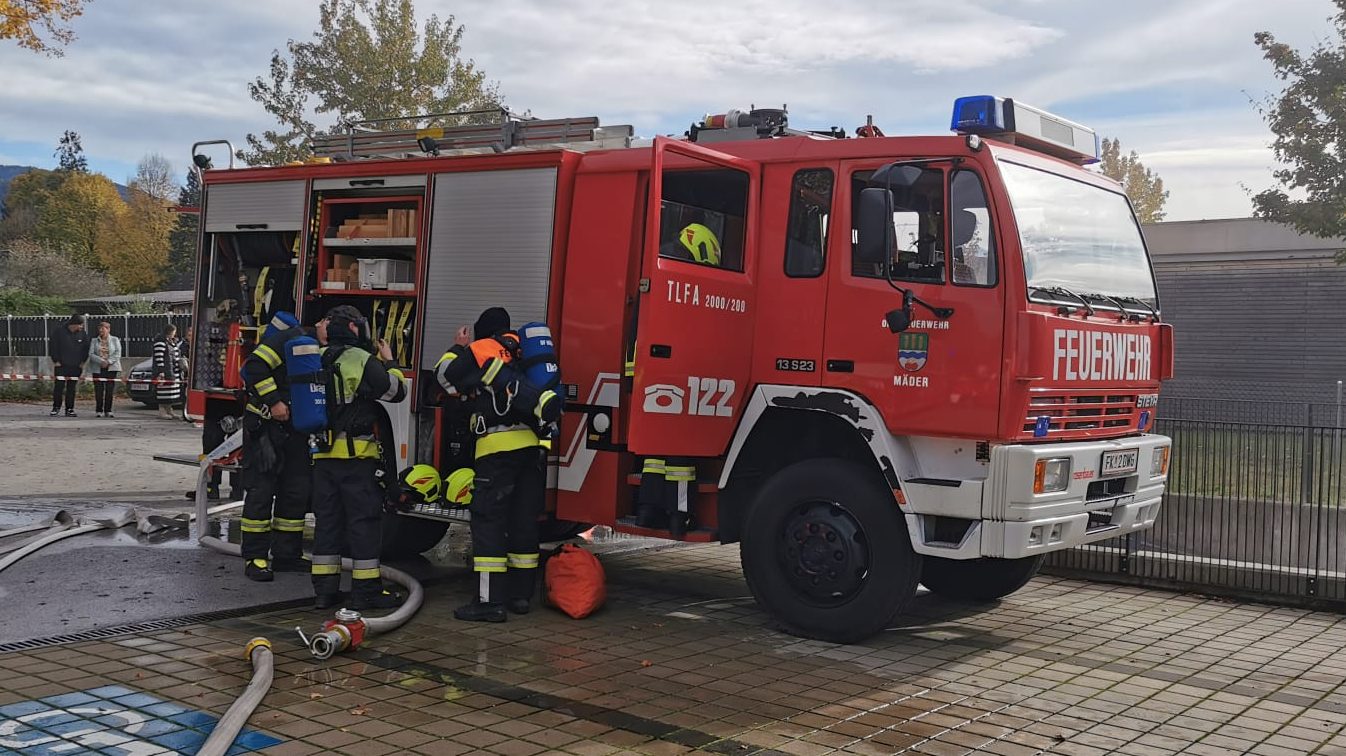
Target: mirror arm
{"x":909,"y":298}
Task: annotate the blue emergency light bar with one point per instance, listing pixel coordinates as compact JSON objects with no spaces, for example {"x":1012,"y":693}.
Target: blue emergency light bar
{"x":1003,"y":118}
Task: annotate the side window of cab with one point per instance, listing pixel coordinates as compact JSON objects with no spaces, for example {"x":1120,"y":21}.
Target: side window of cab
{"x":973,"y":237}
{"x":919,"y":226}
{"x":702,"y":217}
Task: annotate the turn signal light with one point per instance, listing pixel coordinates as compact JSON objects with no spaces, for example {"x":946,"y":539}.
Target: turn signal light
{"x":1051,"y":475}
{"x":1159,"y":462}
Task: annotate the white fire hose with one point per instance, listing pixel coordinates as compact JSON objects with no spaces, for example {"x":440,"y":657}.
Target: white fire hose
{"x":258,"y":651}
{"x":346,"y":630}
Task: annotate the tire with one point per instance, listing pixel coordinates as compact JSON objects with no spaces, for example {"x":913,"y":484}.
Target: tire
{"x":984,"y":579}
{"x":790,"y":542}
{"x":408,"y":536}
{"x":551,"y":531}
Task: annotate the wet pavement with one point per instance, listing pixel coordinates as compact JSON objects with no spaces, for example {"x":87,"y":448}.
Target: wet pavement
{"x":115,"y":643}
{"x":680,"y":659}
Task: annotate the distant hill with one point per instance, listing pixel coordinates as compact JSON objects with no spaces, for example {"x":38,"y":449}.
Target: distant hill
{"x":8,"y":172}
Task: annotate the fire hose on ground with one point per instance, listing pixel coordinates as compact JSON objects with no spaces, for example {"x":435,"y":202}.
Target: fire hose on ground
{"x":64,"y":526}
{"x":346,"y":630}
{"x":258,"y":651}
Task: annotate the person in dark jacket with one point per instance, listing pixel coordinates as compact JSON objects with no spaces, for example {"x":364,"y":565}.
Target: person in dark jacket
{"x":347,"y":497}
{"x":68,"y":349}
{"x":275,"y":460}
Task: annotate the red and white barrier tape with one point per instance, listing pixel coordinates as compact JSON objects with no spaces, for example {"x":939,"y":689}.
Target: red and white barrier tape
{"x":91,"y":379}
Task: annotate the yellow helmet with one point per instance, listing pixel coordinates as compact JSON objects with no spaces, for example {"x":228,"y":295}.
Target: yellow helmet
{"x":701,"y":242}
{"x":458,"y":487}
{"x":421,"y":484}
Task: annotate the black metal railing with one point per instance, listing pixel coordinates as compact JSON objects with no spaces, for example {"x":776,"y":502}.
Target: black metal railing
{"x":1252,"y":509}
{"x":26,"y":335}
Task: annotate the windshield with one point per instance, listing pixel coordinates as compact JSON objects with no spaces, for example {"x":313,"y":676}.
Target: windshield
{"x":1077,"y":236}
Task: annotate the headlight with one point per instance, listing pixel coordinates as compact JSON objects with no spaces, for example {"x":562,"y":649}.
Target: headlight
{"x":1159,"y":462}
{"x":1051,"y":475}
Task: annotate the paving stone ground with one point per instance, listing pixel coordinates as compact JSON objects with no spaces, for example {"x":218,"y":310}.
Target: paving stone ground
{"x":682,"y":660}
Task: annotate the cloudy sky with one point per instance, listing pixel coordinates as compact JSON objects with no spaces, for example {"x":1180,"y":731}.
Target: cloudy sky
{"x":1174,"y":80}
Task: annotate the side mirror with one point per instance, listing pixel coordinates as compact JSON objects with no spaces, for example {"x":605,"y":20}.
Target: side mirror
{"x":899,"y":320}
{"x":874,"y":224}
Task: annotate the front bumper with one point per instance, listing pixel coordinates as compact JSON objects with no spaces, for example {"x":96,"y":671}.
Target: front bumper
{"x":1015,"y":522}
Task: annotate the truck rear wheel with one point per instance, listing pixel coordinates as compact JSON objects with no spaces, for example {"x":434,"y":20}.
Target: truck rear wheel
{"x":984,"y":579}
{"x":408,"y":536}
{"x":826,"y":551}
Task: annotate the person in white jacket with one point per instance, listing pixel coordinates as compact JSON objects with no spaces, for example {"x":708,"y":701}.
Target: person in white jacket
{"x":105,"y":361}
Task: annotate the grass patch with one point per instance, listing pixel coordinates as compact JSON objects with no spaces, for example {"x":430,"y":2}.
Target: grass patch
{"x":1257,"y":462}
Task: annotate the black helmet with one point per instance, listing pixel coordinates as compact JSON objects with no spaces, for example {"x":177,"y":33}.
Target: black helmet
{"x":339,"y":316}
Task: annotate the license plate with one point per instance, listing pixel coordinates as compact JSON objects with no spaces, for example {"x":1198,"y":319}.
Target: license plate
{"x":1119,"y":462}
{"x":140,"y":387}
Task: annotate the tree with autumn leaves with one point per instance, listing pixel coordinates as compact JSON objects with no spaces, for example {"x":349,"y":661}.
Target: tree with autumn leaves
{"x":39,"y":25}
{"x":82,"y":217}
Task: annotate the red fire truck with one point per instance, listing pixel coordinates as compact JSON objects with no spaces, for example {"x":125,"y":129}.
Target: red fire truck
{"x":917,"y":359}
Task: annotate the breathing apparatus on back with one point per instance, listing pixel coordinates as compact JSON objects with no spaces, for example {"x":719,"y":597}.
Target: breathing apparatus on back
{"x":516,"y":376}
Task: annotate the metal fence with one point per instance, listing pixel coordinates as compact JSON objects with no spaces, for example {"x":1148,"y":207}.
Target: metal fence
{"x":26,"y":335}
{"x":1254,"y":508}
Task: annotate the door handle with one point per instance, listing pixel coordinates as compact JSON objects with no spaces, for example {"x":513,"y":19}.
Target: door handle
{"x":661,"y":350}
{"x":841,"y":366}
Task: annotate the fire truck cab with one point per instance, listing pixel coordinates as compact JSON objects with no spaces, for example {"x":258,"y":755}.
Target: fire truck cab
{"x":907,"y":360}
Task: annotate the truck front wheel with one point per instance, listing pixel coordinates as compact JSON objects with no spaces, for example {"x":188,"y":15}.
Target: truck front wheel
{"x":984,"y":579}
{"x":826,"y":551}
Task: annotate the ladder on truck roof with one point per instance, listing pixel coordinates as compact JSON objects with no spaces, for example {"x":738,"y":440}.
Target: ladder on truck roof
{"x":493,"y":131}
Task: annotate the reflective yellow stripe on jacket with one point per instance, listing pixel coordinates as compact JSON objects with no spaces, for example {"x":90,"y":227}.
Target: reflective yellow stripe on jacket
{"x":506,"y":441}
{"x":365,"y":448}
{"x":268,"y":355}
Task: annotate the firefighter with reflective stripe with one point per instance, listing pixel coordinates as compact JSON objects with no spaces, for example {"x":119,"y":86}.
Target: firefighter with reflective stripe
{"x":667,"y":492}
{"x":276,"y":465}
{"x":509,"y":488}
{"x":347,"y":496}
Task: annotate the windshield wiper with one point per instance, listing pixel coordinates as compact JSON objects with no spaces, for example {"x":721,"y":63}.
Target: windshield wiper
{"x":1153,"y":312}
{"x":1063,"y":290}
{"x":1121,"y":308}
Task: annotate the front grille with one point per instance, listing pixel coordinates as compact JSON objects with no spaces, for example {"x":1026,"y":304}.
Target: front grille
{"x":1070,"y":413}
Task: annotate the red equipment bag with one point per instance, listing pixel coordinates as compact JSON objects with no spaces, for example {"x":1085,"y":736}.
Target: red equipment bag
{"x":574,"y":581}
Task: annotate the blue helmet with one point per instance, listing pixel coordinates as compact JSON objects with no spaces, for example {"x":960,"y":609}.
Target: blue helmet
{"x":281,"y":321}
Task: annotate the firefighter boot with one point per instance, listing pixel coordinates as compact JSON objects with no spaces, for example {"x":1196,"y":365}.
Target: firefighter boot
{"x":522,"y":584}
{"x":259,"y":570}
{"x":489,"y":604}
{"x":290,"y":564}
{"x":381,"y":600}
{"x":328,"y":600}
{"x":480,"y":612}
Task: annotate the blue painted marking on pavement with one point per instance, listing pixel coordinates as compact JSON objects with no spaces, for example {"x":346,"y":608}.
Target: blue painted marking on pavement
{"x":113,"y":720}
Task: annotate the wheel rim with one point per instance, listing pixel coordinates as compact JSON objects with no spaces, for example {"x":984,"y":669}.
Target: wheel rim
{"x":823,"y":552}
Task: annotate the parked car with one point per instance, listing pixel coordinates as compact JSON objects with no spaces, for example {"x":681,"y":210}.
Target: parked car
{"x":138,"y":383}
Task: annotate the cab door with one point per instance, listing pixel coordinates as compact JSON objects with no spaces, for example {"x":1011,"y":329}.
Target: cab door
{"x":940,"y":377}
{"x":694,"y":327}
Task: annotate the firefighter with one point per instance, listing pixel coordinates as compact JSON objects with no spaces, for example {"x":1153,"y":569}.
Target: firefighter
{"x":276,"y":463}
{"x":509,"y":486}
{"x":667,"y":486}
{"x":347,"y":496}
